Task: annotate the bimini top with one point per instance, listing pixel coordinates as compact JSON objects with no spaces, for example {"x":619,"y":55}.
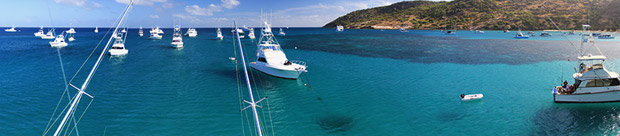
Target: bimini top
{"x":592,"y":57}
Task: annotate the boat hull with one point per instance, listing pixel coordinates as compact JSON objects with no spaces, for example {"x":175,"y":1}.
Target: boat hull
{"x":287,"y":74}
{"x":56,"y":44}
{"x":177,"y":45}
{"x":521,"y":37}
{"x":117,"y":52}
{"x":602,"y":97}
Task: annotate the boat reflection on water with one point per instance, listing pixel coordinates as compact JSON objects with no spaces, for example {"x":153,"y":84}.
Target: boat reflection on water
{"x":577,"y":119}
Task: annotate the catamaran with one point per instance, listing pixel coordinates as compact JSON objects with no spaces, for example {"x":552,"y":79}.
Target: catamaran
{"x":281,"y":32}
{"x":118,"y":48}
{"x":59,"y":41}
{"x":270,"y":58}
{"x":39,"y":33}
{"x":594,"y":83}
{"x":12,"y":29}
{"x":177,"y":39}
{"x":339,"y":28}
{"x":219,"y":34}
{"x":191,"y":32}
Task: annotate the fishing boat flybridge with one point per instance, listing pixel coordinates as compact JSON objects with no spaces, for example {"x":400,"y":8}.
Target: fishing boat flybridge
{"x":594,"y":83}
{"x":40,"y":32}
{"x":49,"y":34}
{"x":219,"y":34}
{"x":191,"y":32}
{"x":272,"y":60}
{"x":339,"y":28}
{"x":12,"y":29}
{"x":59,"y":41}
{"x":177,"y":39}
{"x":155,"y":35}
{"x":118,"y":48}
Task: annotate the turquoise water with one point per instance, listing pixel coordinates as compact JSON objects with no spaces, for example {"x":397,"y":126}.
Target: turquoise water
{"x":364,"y":82}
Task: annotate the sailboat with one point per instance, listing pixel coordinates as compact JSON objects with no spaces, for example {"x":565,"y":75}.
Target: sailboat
{"x":118,"y":48}
{"x":219,"y":34}
{"x":49,"y":34}
{"x":339,"y":28}
{"x":96,"y":29}
{"x":281,"y":32}
{"x":177,"y":39}
{"x":140,"y":32}
{"x":59,"y":41}
{"x":251,"y":34}
{"x":270,"y":58}
{"x":12,"y":29}
{"x":191,"y":32}
{"x":39,"y":33}
{"x":69,"y":113}
{"x":594,"y":83}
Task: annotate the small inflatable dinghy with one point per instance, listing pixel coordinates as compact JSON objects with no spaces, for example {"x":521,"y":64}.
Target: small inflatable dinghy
{"x":470,"y":97}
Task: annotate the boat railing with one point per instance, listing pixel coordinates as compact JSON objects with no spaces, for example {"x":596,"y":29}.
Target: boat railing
{"x":303,"y":63}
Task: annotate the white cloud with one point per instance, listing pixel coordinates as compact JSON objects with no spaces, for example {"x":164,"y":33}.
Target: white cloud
{"x":191,"y":19}
{"x":154,"y":16}
{"x":229,"y":4}
{"x":167,"y":5}
{"x":78,"y":3}
{"x":197,"y":10}
{"x":97,"y":5}
{"x":142,"y":2}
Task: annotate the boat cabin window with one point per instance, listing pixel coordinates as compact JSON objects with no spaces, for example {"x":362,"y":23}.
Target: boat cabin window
{"x":261,"y":59}
{"x":287,"y":63}
{"x":603,"y":82}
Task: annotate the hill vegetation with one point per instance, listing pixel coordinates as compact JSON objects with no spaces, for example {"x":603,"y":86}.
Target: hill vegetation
{"x":486,"y":14}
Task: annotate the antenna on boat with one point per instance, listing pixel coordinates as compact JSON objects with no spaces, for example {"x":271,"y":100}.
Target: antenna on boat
{"x":247,"y":81}
{"x":571,"y":43}
{"x":81,"y":91}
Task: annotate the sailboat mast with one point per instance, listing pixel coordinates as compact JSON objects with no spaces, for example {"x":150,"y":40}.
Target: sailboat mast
{"x":90,"y":75}
{"x":247,"y":81}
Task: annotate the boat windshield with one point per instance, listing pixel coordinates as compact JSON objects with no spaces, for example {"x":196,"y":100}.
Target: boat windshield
{"x":274,"y":48}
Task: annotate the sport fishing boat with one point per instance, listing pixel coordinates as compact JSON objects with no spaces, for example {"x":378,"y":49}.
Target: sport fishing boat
{"x":281,"y":32}
{"x":157,"y":30}
{"x":241,"y":33}
{"x":70,"y":31}
{"x":339,"y":28}
{"x":96,"y":29}
{"x":594,"y":83}
{"x":140,"y":32}
{"x":520,"y":35}
{"x":219,"y":34}
{"x":155,"y":36}
{"x":191,"y":32}
{"x":59,"y":41}
{"x":251,"y":34}
{"x":49,"y":34}
{"x":39,"y":33}
{"x":118,"y":48}
{"x":12,"y":29}
{"x":271,"y":60}
{"x":177,"y":39}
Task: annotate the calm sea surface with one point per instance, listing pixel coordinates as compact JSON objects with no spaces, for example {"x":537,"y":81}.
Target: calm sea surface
{"x":363,"y":82}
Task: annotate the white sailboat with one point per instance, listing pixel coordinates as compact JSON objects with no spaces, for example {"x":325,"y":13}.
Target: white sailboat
{"x":191,"y":32}
{"x":118,"y":48}
{"x":39,"y":33}
{"x":177,"y":39}
{"x":69,"y":114}
{"x":140,"y":32}
{"x":594,"y":83}
{"x":219,"y":34}
{"x":12,"y":29}
{"x":251,"y":34}
{"x":49,"y":34}
{"x":270,"y":58}
{"x":281,"y":32}
{"x":59,"y":41}
{"x":96,"y":29}
{"x":339,"y":28}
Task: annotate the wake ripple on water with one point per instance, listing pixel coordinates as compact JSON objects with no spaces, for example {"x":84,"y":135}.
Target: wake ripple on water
{"x":577,"y":120}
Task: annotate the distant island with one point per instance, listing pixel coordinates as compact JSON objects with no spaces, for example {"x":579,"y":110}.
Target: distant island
{"x":487,"y":14}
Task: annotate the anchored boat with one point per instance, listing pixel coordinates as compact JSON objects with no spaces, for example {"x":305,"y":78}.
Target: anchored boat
{"x":270,"y":58}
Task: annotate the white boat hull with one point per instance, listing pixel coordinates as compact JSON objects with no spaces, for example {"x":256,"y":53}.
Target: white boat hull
{"x":10,"y":30}
{"x":38,"y":34}
{"x":192,"y":34}
{"x":472,"y":97}
{"x":177,"y":44}
{"x":156,"y":38}
{"x":608,"y":96}
{"x":288,"y":74}
{"x":58,"y":44}
{"x":118,"y":52}
{"x":47,"y":37}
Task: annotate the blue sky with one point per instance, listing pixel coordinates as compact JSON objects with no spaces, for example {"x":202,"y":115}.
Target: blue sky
{"x":190,"y":13}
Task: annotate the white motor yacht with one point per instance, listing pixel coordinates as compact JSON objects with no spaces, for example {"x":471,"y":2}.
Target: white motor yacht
{"x":49,"y":34}
{"x":251,"y":34}
{"x":272,"y":60}
{"x":177,"y":39}
{"x":118,"y":48}
{"x":281,"y":32}
{"x":339,"y":28}
{"x":12,"y":29}
{"x":191,"y":32}
{"x":140,"y":32}
{"x":241,"y":33}
{"x":59,"y":41}
{"x":594,"y":83}
{"x":39,"y":33}
{"x":70,"y":31}
{"x":157,"y":30}
{"x":219,"y":34}
{"x":479,"y":32}
{"x":155,"y":36}
{"x":96,"y":29}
